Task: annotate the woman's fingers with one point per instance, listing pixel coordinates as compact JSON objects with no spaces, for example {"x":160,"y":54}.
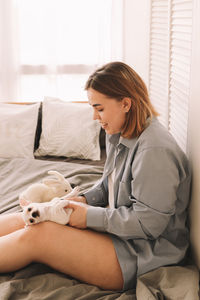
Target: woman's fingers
{"x":79,"y":214}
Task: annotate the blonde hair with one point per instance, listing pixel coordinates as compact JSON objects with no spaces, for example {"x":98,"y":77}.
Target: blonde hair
{"x":118,"y":80}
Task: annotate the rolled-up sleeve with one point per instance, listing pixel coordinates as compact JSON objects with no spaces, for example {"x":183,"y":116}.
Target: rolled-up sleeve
{"x":155,"y":178}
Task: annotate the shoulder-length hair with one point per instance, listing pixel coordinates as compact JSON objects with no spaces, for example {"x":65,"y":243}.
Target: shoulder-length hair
{"x":118,"y":80}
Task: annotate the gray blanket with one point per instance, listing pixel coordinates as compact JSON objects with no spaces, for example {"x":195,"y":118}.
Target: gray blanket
{"x":38,"y":281}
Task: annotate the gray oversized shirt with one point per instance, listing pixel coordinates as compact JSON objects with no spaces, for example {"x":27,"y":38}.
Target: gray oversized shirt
{"x":151,"y":195}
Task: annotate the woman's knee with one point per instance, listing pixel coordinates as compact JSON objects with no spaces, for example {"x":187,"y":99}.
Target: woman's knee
{"x":33,"y":237}
{"x":37,"y":237}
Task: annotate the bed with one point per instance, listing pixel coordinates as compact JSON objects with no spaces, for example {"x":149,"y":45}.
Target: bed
{"x":39,"y":137}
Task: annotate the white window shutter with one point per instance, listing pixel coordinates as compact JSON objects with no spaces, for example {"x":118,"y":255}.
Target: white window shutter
{"x":159,"y":58}
{"x":169,"y":65}
{"x":180,"y":60}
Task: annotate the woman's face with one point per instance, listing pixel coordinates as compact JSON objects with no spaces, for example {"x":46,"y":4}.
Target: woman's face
{"x":110,"y":113}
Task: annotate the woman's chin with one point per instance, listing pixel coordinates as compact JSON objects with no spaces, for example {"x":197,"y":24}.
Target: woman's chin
{"x":110,"y":131}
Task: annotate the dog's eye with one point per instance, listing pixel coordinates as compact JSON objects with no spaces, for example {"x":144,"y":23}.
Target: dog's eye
{"x":66,"y":190}
{"x":30,"y":208}
{"x":31,"y":220}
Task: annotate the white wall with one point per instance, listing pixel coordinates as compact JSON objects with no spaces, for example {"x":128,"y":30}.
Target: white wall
{"x":194,"y":133}
{"x":136,"y":36}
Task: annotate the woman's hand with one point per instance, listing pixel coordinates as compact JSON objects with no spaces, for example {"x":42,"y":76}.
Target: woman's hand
{"x":78,"y":216}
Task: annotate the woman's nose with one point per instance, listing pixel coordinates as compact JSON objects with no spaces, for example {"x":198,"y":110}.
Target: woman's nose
{"x":95,"y":115}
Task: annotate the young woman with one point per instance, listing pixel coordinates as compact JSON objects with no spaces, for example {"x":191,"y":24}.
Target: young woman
{"x":134,"y":219}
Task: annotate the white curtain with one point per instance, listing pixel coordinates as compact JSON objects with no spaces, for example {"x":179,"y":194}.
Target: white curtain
{"x":49,"y":47}
{"x":9,"y":56}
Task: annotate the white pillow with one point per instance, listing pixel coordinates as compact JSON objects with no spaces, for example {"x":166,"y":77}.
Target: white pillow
{"x":17,"y":129}
{"x":68,"y":129}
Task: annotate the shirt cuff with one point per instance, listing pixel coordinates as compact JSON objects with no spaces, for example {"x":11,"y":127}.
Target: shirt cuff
{"x":93,"y":197}
{"x":95,"y":218}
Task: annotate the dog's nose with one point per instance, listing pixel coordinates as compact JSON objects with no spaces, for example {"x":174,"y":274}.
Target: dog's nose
{"x":35,"y":214}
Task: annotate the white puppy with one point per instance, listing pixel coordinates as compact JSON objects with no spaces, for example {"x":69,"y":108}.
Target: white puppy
{"x":54,"y":211}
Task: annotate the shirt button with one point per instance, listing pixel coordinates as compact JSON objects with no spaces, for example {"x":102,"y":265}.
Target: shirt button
{"x":93,"y":198}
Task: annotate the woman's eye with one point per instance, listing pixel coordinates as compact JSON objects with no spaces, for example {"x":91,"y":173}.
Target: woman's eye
{"x":99,"y":110}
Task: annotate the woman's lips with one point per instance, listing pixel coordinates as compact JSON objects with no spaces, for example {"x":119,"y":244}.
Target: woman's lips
{"x":103,"y":125}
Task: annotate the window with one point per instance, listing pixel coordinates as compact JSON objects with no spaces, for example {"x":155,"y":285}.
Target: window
{"x":55,"y":44}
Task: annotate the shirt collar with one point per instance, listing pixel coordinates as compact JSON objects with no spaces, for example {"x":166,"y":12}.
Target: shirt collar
{"x":116,"y":139}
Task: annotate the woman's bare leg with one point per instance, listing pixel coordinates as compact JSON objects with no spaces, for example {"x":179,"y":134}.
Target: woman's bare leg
{"x":84,"y":254}
{"x":10,"y":223}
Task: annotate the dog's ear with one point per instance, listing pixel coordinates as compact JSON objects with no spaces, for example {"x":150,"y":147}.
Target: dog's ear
{"x":24,"y":202}
{"x":51,"y":182}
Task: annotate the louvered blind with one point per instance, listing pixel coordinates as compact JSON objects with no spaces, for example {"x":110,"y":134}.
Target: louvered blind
{"x":170,"y":59}
{"x":180,"y":60}
{"x":159,"y":58}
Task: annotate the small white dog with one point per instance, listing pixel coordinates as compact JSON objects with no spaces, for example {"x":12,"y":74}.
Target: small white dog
{"x":54,"y":211}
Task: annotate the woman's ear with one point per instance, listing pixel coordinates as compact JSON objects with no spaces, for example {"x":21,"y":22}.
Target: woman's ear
{"x":126,"y":102}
